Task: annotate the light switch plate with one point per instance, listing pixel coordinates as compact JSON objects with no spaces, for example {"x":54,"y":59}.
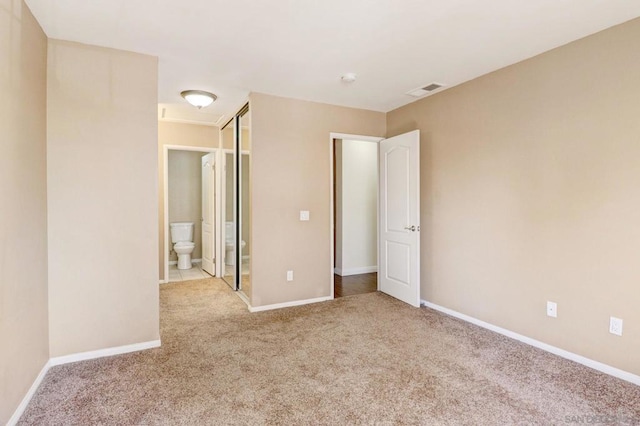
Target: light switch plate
{"x":304,"y":215}
{"x":552,"y":309}
{"x":615,"y":326}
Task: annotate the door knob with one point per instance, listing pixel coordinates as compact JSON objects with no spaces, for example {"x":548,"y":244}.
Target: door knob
{"x":411,"y":228}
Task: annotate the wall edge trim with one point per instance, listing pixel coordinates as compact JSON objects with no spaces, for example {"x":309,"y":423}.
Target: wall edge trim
{"x":100,"y":353}
{"x":289,"y":304}
{"x":27,"y":398}
{"x":596,"y":365}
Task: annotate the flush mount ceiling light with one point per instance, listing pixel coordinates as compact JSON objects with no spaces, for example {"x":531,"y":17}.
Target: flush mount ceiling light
{"x":199,"y":98}
{"x":349,"y":77}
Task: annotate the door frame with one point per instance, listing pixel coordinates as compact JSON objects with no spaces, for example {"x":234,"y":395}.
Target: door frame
{"x":332,"y":136}
{"x":165,"y":218}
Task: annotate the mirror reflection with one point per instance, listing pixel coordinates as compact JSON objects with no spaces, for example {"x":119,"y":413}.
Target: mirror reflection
{"x":229,"y":204}
{"x":245,"y":203}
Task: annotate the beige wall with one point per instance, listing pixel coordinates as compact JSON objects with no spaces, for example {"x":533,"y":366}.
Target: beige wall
{"x":102,"y":188}
{"x":290,"y":172}
{"x":529,"y":190}
{"x":185,"y":194}
{"x":184,"y":135}
{"x":24,"y":344}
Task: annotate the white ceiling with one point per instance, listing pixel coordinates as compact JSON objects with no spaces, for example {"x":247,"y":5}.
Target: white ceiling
{"x":300,"y":48}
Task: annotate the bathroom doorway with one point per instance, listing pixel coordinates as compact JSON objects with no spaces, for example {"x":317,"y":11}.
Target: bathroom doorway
{"x":355,"y":214}
{"x":190,"y":197}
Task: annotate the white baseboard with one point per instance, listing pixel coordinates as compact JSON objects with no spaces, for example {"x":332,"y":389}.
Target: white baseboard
{"x":118,"y":350}
{"x":27,"y":398}
{"x":596,"y":365}
{"x":163,"y":281}
{"x":355,"y":271}
{"x":73,"y":358}
{"x":288,"y":304}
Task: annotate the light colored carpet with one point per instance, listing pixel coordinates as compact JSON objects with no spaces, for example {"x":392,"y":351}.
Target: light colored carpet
{"x":365,"y":359}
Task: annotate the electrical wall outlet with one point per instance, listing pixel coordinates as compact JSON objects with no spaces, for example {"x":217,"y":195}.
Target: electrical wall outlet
{"x":304,"y":215}
{"x":615,"y":326}
{"x":552,"y":309}
{"x":289,"y":275}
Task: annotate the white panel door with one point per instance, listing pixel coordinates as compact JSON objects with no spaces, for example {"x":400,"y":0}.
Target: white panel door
{"x":399,"y":238}
{"x":208,"y":213}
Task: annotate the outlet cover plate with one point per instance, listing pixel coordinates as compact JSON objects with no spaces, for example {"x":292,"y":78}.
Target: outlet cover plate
{"x":289,"y":275}
{"x":552,"y":309}
{"x":304,"y":215}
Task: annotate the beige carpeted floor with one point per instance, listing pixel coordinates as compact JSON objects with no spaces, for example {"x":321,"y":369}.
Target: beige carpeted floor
{"x":365,"y":359}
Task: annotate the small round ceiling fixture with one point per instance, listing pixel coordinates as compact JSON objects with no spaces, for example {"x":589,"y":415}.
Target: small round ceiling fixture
{"x":349,"y":77}
{"x":199,"y":98}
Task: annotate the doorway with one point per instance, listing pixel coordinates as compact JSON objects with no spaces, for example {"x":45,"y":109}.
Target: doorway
{"x":398,"y":222}
{"x":190,"y":198}
{"x":355,"y":215}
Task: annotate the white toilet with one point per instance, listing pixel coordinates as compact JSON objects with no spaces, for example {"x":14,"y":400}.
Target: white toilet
{"x":182,"y":237}
{"x":229,"y":238}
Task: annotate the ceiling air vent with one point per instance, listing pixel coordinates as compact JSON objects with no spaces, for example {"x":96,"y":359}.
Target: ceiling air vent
{"x":424,"y":90}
